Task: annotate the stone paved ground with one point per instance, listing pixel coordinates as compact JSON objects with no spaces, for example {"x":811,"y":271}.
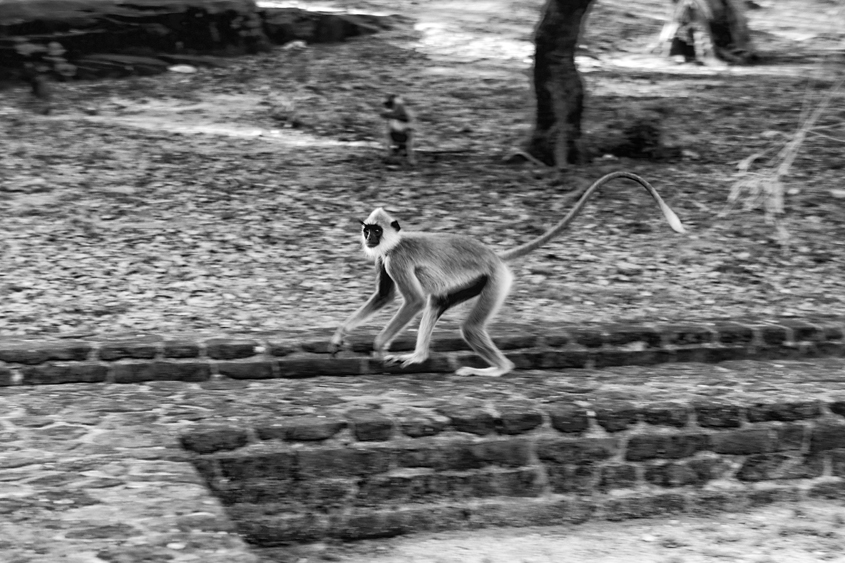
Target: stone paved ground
{"x":94,"y":472}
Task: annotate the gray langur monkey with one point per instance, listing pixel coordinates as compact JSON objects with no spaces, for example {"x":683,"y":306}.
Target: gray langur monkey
{"x":436,"y":271}
{"x":400,"y":132}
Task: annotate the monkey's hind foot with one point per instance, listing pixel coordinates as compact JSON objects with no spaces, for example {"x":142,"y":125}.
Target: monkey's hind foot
{"x":494,"y":371}
{"x":405,"y":359}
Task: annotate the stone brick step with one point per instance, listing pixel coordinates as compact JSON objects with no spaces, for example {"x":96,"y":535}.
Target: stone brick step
{"x":304,"y":354}
{"x":369,"y":456}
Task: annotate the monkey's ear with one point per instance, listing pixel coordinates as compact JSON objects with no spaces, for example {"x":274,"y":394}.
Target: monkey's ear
{"x":360,"y":221}
{"x":395,"y":225}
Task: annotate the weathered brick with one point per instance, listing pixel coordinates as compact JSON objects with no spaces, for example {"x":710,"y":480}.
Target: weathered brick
{"x":207,"y":441}
{"x":514,"y":420}
{"x":830,"y":348}
{"x":479,"y":484}
{"x":421,"y":424}
{"x":717,"y":414}
{"x":160,"y":371}
{"x":230,"y":348}
{"x":734,"y":334}
{"x":664,"y":446}
{"x":742,"y":442}
{"x":434,"y":457}
{"x":622,"y":335}
{"x":691,"y":355}
{"x":832,"y":330}
{"x":246,"y":370}
{"x":610,"y":358}
{"x":763,"y":497}
{"x":706,"y":503}
{"x":320,"y":346}
{"x":686,"y":335}
{"x":710,"y":468}
{"x":837,"y":407}
{"x":366,"y":525}
{"x":463,"y":456}
{"x":523,"y":482}
{"x":565,"y":359}
{"x":275,"y":465}
{"x":773,"y":335}
{"x":340,"y":462}
{"x":300,"y":367}
{"x":827,"y":436}
{"x":665,"y":414}
{"x":628,"y":507}
{"x":587,"y":337}
{"x":566,"y":451}
{"x":802,"y":331}
{"x":378,"y":489}
{"x":323,"y":494}
{"x":527,"y":359}
{"x":615,"y":416}
{"x":831,"y":490}
{"x":516,"y":341}
{"x":474,"y":420}
{"x":790,"y":437}
{"x":506,"y":453}
{"x":725,"y":354}
{"x":281,"y":348}
{"x":765,"y":467}
{"x":785,"y":411}
{"x":568,"y":417}
{"x":301,"y":429}
{"x":64,"y":373}
{"x":370,"y":425}
{"x":558,"y":340}
{"x":143,"y":348}
{"x":673,"y":475}
{"x":255,"y":491}
{"x":572,"y":478}
{"x":617,"y":476}
{"x":39,"y":352}
{"x":281,"y":529}
{"x":181,"y":349}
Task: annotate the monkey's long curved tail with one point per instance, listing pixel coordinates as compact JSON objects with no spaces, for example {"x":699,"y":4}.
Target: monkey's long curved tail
{"x":526,"y":248}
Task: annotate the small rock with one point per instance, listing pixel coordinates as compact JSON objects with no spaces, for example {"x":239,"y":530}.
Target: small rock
{"x":628,"y":269}
{"x":184,"y":69}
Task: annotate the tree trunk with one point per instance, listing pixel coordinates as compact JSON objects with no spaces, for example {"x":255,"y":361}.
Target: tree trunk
{"x":698,"y":30}
{"x":557,"y":84}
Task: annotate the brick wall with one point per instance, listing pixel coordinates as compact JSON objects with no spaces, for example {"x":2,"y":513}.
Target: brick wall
{"x":152,"y":358}
{"x":366,"y":474}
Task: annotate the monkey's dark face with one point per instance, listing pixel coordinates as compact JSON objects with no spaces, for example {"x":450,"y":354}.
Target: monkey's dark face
{"x":391,"y":100}
{"x":372,"y":234}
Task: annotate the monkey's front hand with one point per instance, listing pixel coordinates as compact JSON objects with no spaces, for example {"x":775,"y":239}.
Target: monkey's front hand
{"x":336,"y":343}
{"x":406,"y":359}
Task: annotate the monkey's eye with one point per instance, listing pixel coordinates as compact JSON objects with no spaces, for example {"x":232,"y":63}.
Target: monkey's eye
{"x":375,"y":229}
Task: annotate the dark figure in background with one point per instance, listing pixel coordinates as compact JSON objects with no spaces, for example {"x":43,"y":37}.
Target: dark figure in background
{"x":400,"y":128}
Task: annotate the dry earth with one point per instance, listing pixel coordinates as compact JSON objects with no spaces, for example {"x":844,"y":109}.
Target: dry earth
{"x":183,"y":203}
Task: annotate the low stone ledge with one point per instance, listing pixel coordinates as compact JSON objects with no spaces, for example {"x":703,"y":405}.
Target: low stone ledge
{"x":553,"y":347}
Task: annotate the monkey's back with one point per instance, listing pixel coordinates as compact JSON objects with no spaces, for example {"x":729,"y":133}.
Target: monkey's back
{"x":442,"y":261}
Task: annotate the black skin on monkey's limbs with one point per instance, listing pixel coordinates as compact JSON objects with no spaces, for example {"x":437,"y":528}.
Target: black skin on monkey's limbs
{"x":433,"y":272}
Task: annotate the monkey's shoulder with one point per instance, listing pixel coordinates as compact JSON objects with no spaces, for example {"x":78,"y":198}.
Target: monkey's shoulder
{"x":442,"y":242}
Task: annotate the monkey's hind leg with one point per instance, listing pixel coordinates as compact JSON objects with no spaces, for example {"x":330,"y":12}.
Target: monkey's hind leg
{"x":474,"y":329}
